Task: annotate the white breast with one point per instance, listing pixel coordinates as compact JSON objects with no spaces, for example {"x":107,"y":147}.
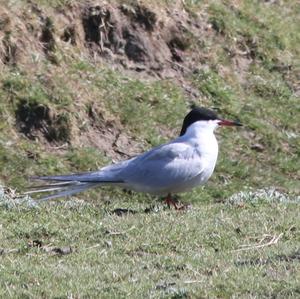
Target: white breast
{"x":202,"y":138}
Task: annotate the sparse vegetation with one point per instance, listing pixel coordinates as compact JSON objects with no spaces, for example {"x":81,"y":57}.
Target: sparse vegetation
{"x":74,"y":101}
{"x":79,"y":248}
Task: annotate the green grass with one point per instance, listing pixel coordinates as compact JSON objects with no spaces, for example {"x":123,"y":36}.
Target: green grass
{"x":159,"y":254}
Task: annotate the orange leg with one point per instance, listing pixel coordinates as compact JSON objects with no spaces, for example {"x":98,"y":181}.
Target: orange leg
{"x":172,"y":202}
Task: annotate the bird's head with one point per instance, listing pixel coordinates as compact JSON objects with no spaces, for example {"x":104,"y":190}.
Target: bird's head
{"x":205,"y":118}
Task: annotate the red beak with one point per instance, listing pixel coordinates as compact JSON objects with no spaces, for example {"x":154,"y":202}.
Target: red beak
{"x":224,"y":122}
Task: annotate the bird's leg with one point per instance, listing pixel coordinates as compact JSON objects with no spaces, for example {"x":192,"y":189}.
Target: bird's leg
{"x":171,"y":202}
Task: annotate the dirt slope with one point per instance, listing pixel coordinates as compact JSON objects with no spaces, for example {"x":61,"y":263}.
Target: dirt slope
{"x":117,"y":77}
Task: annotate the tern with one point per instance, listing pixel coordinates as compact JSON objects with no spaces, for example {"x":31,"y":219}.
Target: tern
{"x":174,"y":167}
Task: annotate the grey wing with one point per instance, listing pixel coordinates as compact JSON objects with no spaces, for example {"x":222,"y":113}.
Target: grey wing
{"x":66,"y":185}
{"x":164,"y":166}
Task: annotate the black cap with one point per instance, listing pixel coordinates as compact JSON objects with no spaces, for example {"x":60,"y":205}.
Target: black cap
{"x":197,"y":114}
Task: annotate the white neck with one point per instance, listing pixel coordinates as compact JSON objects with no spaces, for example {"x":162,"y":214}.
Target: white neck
{"x":201,"y":128}
{"x":201,"y":135}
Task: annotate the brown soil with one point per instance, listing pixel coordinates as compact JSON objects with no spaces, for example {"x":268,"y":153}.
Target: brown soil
{"x":148,"y":42}
{"x":131,"y":37}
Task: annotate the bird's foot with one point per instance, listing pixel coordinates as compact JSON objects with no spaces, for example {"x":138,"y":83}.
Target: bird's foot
{"x":183,"y":207}
{"x":170,"y":201}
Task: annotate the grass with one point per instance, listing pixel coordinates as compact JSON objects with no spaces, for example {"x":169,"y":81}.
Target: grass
{"x":161,"y":253}
{"x":80,"y":247}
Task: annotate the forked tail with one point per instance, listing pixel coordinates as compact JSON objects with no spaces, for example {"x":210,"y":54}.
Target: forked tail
{"x":66,"y":185}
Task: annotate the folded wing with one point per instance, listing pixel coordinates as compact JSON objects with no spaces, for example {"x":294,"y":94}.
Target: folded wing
{"x":163,"y":168}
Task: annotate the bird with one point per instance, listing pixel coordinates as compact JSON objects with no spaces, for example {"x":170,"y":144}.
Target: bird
{"x":177,"y":166}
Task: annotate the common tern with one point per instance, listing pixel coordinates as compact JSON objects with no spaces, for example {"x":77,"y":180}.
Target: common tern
{"x":177,"y":166}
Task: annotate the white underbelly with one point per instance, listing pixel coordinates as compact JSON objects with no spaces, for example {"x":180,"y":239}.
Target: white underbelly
{"x":199,"y":180}
{"x":186,"y":185}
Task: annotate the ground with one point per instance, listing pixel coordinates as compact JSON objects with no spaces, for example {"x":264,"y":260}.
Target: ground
{"x":86,"y":84}
{"x":247,"y":247}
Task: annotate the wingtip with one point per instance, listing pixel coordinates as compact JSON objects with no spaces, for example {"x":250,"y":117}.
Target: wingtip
{"x":41,"y":178}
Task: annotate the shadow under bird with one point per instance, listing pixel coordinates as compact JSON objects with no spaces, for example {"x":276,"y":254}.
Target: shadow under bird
{"x":177,"y":166}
